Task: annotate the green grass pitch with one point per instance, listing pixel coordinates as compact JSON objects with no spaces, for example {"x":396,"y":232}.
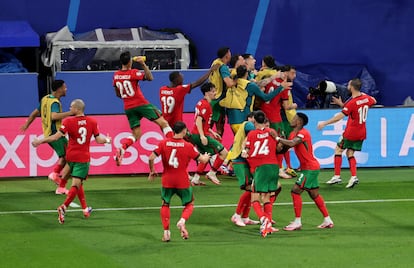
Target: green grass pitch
{"x":374,"y":226}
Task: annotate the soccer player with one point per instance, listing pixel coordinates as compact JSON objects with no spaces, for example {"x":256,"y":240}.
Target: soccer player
{"x":301,"y":140}
{"x":172,"y":97}
{"x":273,"y":111}
{"x":243,"y":174}
{"x":205,"y":138}
{"x":80,"y":129}
{"x":175,"y":153}
{"x":246,"y":92}
{"x":260,"y":151}
{"x":222,"y":80}
{"x":50,"y":110}
{"x":356,"y":108}
{"x":126,"y":83}
{"x":288,"y":112}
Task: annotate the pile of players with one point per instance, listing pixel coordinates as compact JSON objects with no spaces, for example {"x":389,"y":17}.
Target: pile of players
{"x":258,"y":106}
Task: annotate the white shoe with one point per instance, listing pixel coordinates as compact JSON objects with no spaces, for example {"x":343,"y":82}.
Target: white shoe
{"x":55,"y":178}
{"x":284,"y":175}
{"x":293,"y":226}
{"x":212,"y":177}
{"x":166,"y":237}
{"x":326,"y":224}
{"x":248,"y":221}
{"x":237,"y":220}
{"x":195,"y":181}
{"x":265,"y":227}
{"x":335,"y":180}
{"x":352,"y":182}
{"x":183,"y":230}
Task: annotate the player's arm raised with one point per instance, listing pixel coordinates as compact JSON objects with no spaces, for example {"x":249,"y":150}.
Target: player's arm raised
{"x":334,"y":119}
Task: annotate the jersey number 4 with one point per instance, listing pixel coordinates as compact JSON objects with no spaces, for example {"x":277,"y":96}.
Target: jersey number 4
{"x":173,"y":160}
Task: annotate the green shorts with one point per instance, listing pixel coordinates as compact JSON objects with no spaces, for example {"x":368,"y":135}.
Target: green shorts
{"x":279,"y":127}
{"x":265,"y":178}
{"x":213,"y":146}
{"x":79,"y":170}
{"x":308,"y":179}
{"x":243,"y":175}
{"x":287,"y":128}
{"x":149,"y":111}
{"x":348,"y":144}
{"x":186,"y":195}
{"x":218,"y":111}
{"x":59,"y":146}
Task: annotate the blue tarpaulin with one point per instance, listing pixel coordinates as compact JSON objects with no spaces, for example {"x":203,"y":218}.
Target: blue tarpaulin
{"x":18,"y":34}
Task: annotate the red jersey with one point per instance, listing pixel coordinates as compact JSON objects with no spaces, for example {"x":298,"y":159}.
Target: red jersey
{"x":304,"y":150}
{"x":126,"y":82}
{"x":80,"y":130}
{"x":262,"y":148}
{"x":172,"y":102}
{"x":357,"y":111}
{"x":175,"y":154}
{"x":273,"y":108}
{"x":203,"y":109}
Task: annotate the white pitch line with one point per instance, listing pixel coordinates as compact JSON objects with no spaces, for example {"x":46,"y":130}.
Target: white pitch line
{"x":208,"y":206}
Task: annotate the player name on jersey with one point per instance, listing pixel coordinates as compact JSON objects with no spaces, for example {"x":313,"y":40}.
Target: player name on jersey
{"x":175,"y":144}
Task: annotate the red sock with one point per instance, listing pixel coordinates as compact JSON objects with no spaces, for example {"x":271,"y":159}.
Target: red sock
{"x":297,"y":204}
{"x":320,"y":203}
{"x":352,"y":165}
{"x":165,"y":216}
{"x":267,"y":207}
{"x":200,"y":168}
{"x":287,"y":159}
{"x":73,"y":192}
{"x":127,"y":142}
{"x":258,"y":209}
{"x":337,"y":164}
{"x":58,"y":168}
{"x":81,"y":197}
{"x":272,"y":198}
{"x":246,"y":210}
{"x":243,"y":200}
{"x":279,"y":159}
{"x":63,"y":183}
{"x":187,"y":211}
{"x":217,"y":163}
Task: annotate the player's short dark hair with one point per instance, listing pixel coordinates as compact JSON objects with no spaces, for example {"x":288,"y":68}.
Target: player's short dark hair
{"x":260,"y":117}
{"x":221,"y":52}
{"x":269,"y":61}
{"x":178,"y":127}
{"x":246,"y":56}
{"x":233,"y":60}
{"x":251,"y":114}
{"x":304,"y":118}
{"x":206,"y":87}
{"x":57,"y":84}
{"x":356,"y":83}
{"x":174,"y":75}
{"x":125,"y":57}
{"x":241,"y":71}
